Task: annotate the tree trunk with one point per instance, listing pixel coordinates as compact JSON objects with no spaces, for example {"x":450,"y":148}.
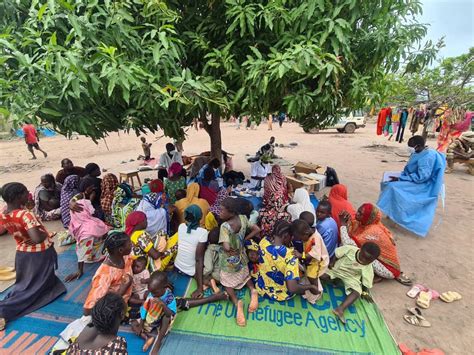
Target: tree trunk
{"x":214,"y":131}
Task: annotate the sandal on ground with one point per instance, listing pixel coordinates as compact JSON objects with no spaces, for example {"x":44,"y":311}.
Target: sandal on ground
{"x":416,"y":312}
{"x":415,"y":290}
{"x":6,"y":269}
{"x":3,"y":324}
{"x":450,"y":296}
{"x":404,"y":280}
{"x":416,"y":321}
{"x":424,"y":299}
{"x":8,"y":276}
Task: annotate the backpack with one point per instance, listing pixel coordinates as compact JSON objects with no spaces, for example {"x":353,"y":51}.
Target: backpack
{"x":331,"y":177}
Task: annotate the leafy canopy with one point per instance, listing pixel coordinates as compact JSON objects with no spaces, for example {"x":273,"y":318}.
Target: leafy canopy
{"x":95,"y":67}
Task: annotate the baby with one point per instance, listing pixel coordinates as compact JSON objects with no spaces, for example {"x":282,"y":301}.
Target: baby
{"x":139,"y":286}
{"x":353,"y":266}
{"x":211,"y":272}
{"x":157,"y":311}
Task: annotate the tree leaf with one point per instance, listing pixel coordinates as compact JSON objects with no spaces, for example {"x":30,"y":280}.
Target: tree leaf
{"x":53,"y":39}
{"x":156,"y":53}
{"x":50,"y":112}
{"x":42,"y":10}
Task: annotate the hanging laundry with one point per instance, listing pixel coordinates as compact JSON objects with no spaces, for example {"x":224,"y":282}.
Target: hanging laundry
{"x":403,"y":122}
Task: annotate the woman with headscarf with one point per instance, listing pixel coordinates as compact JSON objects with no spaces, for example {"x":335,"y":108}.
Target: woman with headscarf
{"x":68,"y":191}
{"x":123,"y":204}
{"x":192,"y":241}
{"x":153,"y":205}
{"x":301,"y":203}
{"x":340,"y":203}
{"x":192,"y":193}
{"x":158,"y":249}
{"x":367,"y":227}
{"x":47,"y":199}
{"x":109,"y":185}
{"x":275,"y":198}
{"x":174,"y":182}
{"x":209,"y":187}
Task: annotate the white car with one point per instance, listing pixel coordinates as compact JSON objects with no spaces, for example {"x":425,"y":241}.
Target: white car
{"x":346,"y":124}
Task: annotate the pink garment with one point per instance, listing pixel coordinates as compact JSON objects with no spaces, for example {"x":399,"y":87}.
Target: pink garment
{"x":139,"y":288}
{"x":84,"y":225}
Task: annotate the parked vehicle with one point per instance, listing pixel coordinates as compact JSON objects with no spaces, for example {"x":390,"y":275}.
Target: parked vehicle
{"x":345,"y":124}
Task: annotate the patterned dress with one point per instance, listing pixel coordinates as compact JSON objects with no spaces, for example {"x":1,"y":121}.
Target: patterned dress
{"x":117,"y":346}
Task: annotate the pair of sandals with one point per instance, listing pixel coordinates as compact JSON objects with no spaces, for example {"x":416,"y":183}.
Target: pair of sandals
{"x":425,"y":295}
{"x":416,"y":319}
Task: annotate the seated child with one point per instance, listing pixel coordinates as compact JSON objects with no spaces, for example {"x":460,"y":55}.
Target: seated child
{"x":140,"y":277}
{"x":246,"y":209}
{"x":327,"y":227}
{"x":308,"y":217}
{"x":254,"y":259}
{"x":89,"y":232}
{"x":211,"y":271}
{"x":353,"y":266}
{"x":315,"y":255}
{"x":157,"y":311}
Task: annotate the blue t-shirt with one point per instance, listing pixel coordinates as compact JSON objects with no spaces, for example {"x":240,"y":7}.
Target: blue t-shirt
{"x":328,"y":230}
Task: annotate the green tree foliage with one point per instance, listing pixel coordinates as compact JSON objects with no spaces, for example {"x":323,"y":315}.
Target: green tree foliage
{"x":450,"y":83}
{"x":99,"y":66}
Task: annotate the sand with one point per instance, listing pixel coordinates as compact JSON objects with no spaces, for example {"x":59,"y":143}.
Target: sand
{"x":443,"y":260}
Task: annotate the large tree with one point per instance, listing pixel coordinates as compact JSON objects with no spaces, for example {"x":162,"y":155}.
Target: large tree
{"x":99,"y":66}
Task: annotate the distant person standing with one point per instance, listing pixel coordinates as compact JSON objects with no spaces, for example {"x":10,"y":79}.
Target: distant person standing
{"x":32,"y":139}
{"x":146,"y":149}
{"x":270,"y":122}
{"x":281,"y":118}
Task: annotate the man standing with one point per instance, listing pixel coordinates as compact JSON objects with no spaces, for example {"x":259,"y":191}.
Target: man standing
{"x":32,"y":139}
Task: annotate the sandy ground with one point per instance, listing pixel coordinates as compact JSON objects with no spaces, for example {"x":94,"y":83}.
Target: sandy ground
{"x":442,"y":261}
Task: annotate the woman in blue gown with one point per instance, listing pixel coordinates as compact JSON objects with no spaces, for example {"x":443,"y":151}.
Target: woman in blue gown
{"x":411,"y":199}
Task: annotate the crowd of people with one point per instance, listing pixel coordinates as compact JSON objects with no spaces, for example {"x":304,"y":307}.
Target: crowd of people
{"x":197,"y":228}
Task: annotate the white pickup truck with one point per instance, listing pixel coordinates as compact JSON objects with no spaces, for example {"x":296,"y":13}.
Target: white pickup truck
{"x":346,"y":124}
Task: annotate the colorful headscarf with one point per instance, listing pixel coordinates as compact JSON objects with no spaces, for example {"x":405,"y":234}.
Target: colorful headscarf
{"x":339,"y":203}
{"x":252,"y":245}
{"x":157,"y":200}
{"x":69,"y":189}
{"x":109,"y":185}
{"x":275,"y":186}
{"x":122,"y":205}
{"x":370,"y":214}
{"x":133,"y":219}
{"x":369,"y":228}
{"x":156,"y":185}
{"x":175,"y":169}
{"x":192,"y":217}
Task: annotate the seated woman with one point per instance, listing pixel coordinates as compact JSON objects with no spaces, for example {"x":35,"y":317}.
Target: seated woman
{"x":215,"y":165}
{"x":109,"y":185}
{"x":367,"y":227}
{"x":91,"y":178}
{"x":154,"y":206}
{"x":192,"y":193}
{"x":301,"y":203}
{"x":278,"y":269}
{"x":114,"y":274}
{"x":275,"y":198}
{"x":36,"y":283}
{"x":89,"y":233}
{"x":209,"y":187}
{"x":174,"y":182}
{"x":192,"y":241}
{"x":100,"y":336}
{"x":47,"y":199}
{"x":123,"y":204}
{"x":411,"y":199}
{"x":340,"y":203}
{"x":68,"y":191}
{"x":259,"y":170}
{"x":159,"y":249}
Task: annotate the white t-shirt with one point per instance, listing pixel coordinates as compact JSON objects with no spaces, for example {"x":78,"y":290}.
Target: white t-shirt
{"x":187,"y":245}
{"x":166,"y":161}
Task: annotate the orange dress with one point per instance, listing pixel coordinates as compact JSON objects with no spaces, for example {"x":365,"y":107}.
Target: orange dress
{"x":109,"y":279}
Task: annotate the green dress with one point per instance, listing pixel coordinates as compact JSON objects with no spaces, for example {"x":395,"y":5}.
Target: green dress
{"x":172,"y":186}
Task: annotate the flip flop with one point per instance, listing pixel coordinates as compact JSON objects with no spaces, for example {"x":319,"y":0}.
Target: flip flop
{"x":7,"y":276}
{"x":416,"y":312}
{"x":6,"y":269}
{"x":415,"y":290}
{"x":450,"y":296}
{"x":424,"y":299}
{"x":404,"y":280}
{"x":416,"y":321}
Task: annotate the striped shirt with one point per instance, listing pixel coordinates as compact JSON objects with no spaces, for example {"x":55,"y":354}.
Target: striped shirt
{"x":17,"y":223}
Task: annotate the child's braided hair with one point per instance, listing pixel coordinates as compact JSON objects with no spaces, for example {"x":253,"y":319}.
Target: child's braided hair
{"x":106,"y":313}
{"x":115,"y":240}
